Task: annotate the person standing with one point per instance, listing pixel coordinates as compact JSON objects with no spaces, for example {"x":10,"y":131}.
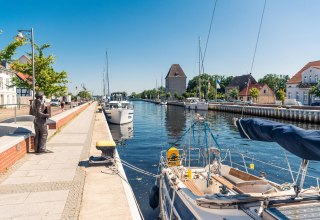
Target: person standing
{"x":40,"y":113}
{"x":62,"y":105}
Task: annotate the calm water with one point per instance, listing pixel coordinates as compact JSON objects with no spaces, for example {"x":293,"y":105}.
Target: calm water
{"x":155,"y":127}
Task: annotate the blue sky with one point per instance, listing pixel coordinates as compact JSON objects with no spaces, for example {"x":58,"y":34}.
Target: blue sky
{"x":144,"y":37}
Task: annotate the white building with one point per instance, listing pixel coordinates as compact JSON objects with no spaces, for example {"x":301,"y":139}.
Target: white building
{"x":299,"y":85}
{"x":7,"y":94}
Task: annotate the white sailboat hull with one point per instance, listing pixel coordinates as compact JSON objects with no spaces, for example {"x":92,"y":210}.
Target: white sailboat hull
{"x":119,"y":116}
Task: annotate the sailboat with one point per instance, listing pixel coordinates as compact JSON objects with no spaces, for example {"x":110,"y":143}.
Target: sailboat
{"x":194,"y":103}
{"x":199,"y":182}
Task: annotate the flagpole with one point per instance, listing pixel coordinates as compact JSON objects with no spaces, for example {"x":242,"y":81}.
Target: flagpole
{"x":216,"y":89}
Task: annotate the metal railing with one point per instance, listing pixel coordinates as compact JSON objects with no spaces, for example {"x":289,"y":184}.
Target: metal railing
{"x":12,"y":111}
{"x":236,"y":162}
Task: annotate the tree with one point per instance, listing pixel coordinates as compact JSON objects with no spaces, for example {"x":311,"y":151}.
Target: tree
{"x":10,"y":50}
{"x":254,"y":93}
{"x":85,"y":94}
{"x":234,"y":93}
{"x":281,"y":95}
{"x":133,"y":95}
{"x":315,"y":90}
{"x":47,"y":79}
{"x":275,"y":82}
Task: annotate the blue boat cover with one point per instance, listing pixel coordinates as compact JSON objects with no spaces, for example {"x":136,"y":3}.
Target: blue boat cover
{"x":302,"y":143}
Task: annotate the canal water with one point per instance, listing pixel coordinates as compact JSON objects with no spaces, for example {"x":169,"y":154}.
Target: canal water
{"x":155,"y":127}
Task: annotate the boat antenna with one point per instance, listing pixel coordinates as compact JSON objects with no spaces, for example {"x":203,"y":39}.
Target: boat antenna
{"x":107,"y":72}
{"x":208,"y":36}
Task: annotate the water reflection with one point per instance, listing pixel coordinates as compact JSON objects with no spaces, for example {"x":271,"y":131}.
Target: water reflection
{"x":121,"y":133}
{"x":156,"y":126}
{"x":175,"y":121}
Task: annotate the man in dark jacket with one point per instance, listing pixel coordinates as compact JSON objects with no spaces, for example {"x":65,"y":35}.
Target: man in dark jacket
{"x":40,"y":126}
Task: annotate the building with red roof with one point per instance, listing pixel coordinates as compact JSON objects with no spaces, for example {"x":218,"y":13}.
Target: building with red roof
{"x":298,"y":87}
{"x":266,"y":95}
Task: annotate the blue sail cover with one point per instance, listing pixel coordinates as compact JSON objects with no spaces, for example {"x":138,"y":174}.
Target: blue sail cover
{"x":302,"y":143}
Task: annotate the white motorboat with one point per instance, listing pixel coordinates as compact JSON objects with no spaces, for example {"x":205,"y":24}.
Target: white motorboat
{"x":118,"y":110}
{"x":194,"y":103}
{"x":215,"y":189}
{"x":163,"y":103}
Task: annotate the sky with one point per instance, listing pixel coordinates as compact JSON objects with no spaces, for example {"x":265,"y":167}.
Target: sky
{"x":145,"y":37}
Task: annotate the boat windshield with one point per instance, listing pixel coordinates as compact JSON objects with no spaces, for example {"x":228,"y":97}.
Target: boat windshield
{"x":118,"y":96}
{"x":113,"y":105}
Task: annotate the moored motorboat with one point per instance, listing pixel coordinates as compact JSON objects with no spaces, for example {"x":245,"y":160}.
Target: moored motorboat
{"x":196,"y":183}
{"x":163,"y":103}
{"x":118,"y":110}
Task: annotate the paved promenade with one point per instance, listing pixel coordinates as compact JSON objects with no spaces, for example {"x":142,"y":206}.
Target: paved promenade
{"x":49,"y":186}
{"x":106,"y":194}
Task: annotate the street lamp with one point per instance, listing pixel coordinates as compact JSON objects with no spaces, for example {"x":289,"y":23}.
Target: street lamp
{"x":31,"y":38}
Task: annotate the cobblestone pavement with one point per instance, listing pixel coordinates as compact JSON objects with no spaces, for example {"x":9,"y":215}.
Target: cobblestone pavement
{"x":49,"y":186}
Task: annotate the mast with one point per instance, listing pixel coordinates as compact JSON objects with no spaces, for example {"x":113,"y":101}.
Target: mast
{"x":104,"y":83}
{"x":199,"y":70}
{"x":107,"y":73}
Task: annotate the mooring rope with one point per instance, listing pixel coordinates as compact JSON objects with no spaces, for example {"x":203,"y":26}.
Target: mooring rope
{"x":137,"y":169}
{"x":115,"y":170}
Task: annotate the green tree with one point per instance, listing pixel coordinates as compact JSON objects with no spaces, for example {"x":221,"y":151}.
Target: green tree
{"x":193,"y":84}
{"x":275,"y":82}
{"x":281,"y":95}
{"x":254,"y":93}
{"x":315,"y":90}
{"x":47,"y":79}
{"x":234,"y":93}
{"x":133,"y":95}
{"x":168,"y":95}
{"x":10,"y":50}
{"x":85,"y":94}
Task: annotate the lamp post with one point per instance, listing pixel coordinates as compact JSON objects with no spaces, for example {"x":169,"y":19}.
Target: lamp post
{"x":31,"y":35}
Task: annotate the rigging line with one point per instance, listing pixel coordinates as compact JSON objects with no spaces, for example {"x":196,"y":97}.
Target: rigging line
{"x":255,"y":49}
{"x":210,"y":27}
{"x":185,"y":133}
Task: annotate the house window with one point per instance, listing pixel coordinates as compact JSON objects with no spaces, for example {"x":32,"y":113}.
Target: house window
{"x":289,"y":95}
{"x":310,"y":78}
{"x":8,"y":99}
{"x":264,"y":91}
{"x":1,"y":83}
{"x":316,"y":78}
{"x":7,"y":84}
{"x":305,"y":96}
{"x":297,"y":96}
